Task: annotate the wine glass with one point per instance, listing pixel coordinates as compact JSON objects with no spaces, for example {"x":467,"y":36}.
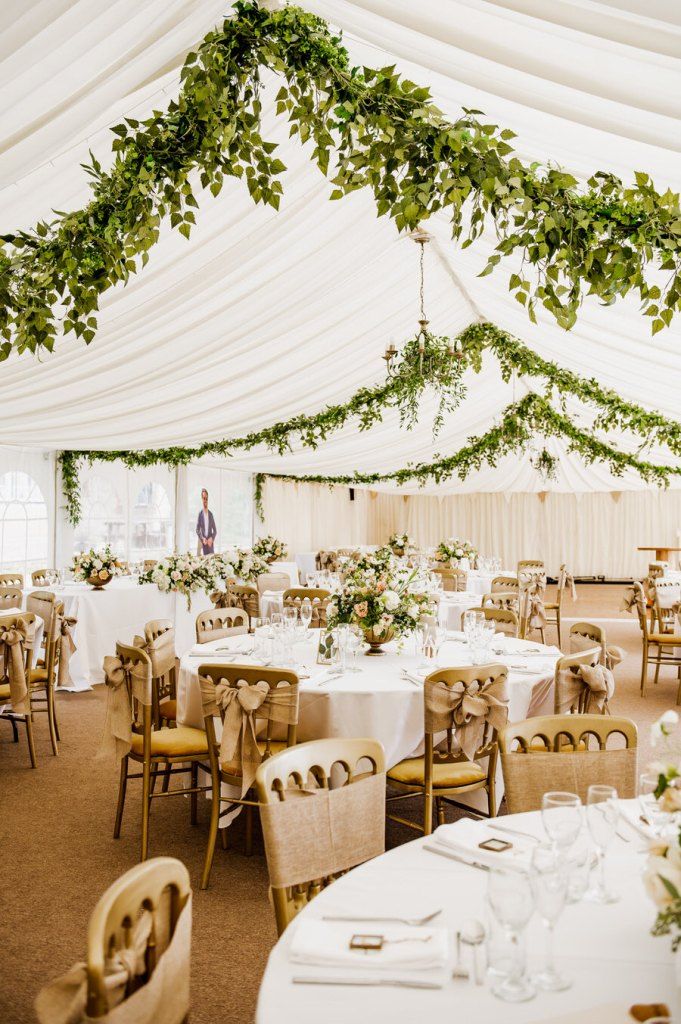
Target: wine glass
{"x":601,"y":816}
{"x":355,"y":641}
{"x":306,"y":612}
{"x":550,"y":887}
{"x":561,"y":815}
{"x":650,"y":809}
{"x":511,"y":899}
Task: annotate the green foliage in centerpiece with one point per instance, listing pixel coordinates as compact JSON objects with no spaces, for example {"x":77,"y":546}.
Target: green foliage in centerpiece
{"x":378,"y":594}
{"x":368,"y":128}
{"x":452,"y":550}
{"x":662,"y":875}
{"x":96,"y":567}
{"x":270,"y":549}
{"x":400,"y":543}
{"x":184,"y":574}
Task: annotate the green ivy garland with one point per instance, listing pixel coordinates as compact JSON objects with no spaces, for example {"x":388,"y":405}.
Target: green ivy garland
{"x":440,"y":366}
{"x":369,"y":129}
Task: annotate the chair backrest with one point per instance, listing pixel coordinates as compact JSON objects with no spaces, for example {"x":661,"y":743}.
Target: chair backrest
{"x":584,"y":635}
{"x":443,"y":691}
{"x":533,"y":566}
{"x":159,"y":635}
{"x":318,"y":598}
{"x":280,"y":706}
{"x":656,"y":570}
{"x":327,"y":560}
{"x":273,"y":581}
{"x":140,"y":695}
{"x":505,"y":619}
{"x":156,"y":628}
{"x":39,"y":578}
{"x":453,"y":580}
{"x":41,"y":603}
{"x":26,"y":647}
{"x":240,"y":595}
{"x":217,"y":623}
{"x":640,"y":607}
{"x":527,"y":776}
{"x":159,"y":887}
{"x":505,"y":584}
{"x":665,"y":594}
{"x":11,"y":597}
{"x":310,"y":839}
{"x":12,"y":579}
{"x":568,"y":666}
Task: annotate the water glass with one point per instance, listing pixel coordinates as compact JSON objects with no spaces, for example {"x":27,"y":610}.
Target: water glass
{"x":354,"y":641}
{"x":550,"y":879}
{"x":562,"y":818}
{"x":511,"y":899}
{"x":579,"y":860}
{"x":306,"y":612}
{"x":601,"y":816}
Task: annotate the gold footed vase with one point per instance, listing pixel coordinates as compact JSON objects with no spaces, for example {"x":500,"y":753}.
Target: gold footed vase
{"x":376,"y":639}
{"x":96,"y":582}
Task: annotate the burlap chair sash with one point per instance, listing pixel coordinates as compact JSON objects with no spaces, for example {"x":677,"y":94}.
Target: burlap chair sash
{"x":41,"y":605}
{"x":239,"y":707}
{"x":528,"y":776}
{"x":161,"y":651}
{"x":163,"y":999}
{"x":313,"y":833}
{"x":633,"y":601}
{"x":466,"y":708}
{"x":118,"y":675}
{"x":595,"y":683}
{"x":67,"y":648}
{"x":569,"y":581}
{"x":13,"y":643}
{"x":536,"y":612}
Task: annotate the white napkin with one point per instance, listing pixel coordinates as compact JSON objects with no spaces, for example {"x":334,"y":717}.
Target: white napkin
{"x":327,"y":944}
{"x":464,"y":837}
{"x":631,"y":812}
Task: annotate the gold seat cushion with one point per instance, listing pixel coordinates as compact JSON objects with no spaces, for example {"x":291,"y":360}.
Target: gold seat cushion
{"x":173,"y":742}
{"x":445,"y":776}
{"x":539,"y":747}
{"x":664,"y":638}
{"x":551,"y":606}
{"x":168,"y":710}
{"x":4,"y":691}
{"x":38,"y":675}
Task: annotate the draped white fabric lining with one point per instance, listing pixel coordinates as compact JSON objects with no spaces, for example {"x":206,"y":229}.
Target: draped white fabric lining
{"x":263,"y":315}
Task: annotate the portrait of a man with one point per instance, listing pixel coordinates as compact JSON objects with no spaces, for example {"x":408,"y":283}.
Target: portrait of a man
{"x":206,"y":530}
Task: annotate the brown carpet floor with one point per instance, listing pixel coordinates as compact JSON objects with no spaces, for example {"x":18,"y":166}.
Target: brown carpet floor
{"x":58,"y":853}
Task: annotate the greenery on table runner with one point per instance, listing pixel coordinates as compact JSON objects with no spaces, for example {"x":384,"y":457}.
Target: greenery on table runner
{"x":402,"y":391}
{"x":369,"y":128}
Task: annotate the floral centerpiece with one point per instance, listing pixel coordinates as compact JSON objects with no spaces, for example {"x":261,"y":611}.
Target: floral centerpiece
{"x":269,"y":548}
{"x":96,"y":567}
{"x":376,"y":596}
{"x":662,"y":875}
{"x":185,"y":574}
{"x":450,"y":552}
{"x":241,"y":564}
{"x":400,"y":543}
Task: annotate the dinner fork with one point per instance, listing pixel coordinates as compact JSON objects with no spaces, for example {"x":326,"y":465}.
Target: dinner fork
{"x":415,"y":922}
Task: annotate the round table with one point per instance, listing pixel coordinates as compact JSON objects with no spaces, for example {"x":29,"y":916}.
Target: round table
{"x":452,"y":605}
{"x":479,"y":581}
{"x":116,"y":613}
{"x":607,"y":950}
{"x":378,"y":701}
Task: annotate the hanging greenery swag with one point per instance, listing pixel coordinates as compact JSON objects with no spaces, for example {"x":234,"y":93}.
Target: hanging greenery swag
{"x":370,"y":129}
{"x":440,"y":370}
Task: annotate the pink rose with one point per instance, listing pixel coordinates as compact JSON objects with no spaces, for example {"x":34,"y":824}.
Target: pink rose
{"x":361,"y":609}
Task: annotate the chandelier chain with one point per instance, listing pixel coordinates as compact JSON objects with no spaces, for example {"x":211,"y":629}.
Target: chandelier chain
{"x":421,"y":284}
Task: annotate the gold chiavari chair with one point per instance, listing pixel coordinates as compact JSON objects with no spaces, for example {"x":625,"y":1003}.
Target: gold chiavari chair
{"x":663,"y":615}
{"x":130,"y":735}
{"x":16,"y":650}
{"x":41,"y":603}
{"x":327,"y":560}
{"x":12,"y":579}
{"x":555,"y":606}
{"x":310,"y":842}
{"x":453,"y":580}
{"x":217,"y":623}
{"x":243,"y":696}
{"x":159,"y":643}
{"x":239,"y":595}
{"x":137,"y":964}
{"x":10,"y":597}
{"x":657,"y":648}
{"x":580,"y":685}
{"x":43,"y":677}
{"x":504,"y":619}
{"x":531,"y":595}
{"x":42,"y":577}
{"x":274,"y":581}
{"x":318,"y":598}
{"x":565,"y":763}
{"x":452,"y":768}
{"x":656,"y":571}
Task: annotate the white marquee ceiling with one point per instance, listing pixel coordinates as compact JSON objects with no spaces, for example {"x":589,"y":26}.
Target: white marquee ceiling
{"x":263,"y":315}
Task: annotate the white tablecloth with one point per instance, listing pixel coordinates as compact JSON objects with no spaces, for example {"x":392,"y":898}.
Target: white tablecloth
{"x":307,"y":563}
{"x":607,"y":950}
{"x":452,"y":606}
{"x":672,"y":574}
{"x":118,"y":612}
{"x":290,"y":568}
{"x":378,"y":702}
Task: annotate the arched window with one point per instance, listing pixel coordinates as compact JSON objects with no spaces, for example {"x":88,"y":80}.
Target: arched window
{"x":103,"y":518}
{"x":23,"y":523}
{"x":151,"y":534}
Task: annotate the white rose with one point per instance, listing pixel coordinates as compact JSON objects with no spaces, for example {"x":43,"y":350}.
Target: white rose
{"x":175,"y":575}
{"x":391,"y":600}
{"x":413,"y":611}
{"x":97,"y":563}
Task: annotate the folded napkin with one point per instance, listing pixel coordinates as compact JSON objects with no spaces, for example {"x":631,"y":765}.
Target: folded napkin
{"x":631,"y":812}
{"x":464,"y":836}
{"x":327,"y":944}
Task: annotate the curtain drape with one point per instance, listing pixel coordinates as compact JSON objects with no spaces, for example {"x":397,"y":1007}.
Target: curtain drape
{"x":595,"y":533}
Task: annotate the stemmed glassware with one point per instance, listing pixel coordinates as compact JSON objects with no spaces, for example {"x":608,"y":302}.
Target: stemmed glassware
{"x":656,"y":818}
{"x":511,"y":899}
{"x":354,"y":642}
{"x":562,"y":818}
{"x":306,"y":612}
{"x":549,"y":878}
{"x":601,"y":816}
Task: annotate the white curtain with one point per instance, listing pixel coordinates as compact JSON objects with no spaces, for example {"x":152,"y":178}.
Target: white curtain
{"x":27,"y":509}
{"x":596,"y":534}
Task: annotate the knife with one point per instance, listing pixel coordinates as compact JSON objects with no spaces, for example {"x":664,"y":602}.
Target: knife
{"x":309,"y":979}
{"x":450,"y":855}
